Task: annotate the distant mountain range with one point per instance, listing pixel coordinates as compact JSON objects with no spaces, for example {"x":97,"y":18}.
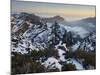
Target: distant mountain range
{"x":90,"y":20}
{"x":53,"y":19}
{"x":31,"y":27}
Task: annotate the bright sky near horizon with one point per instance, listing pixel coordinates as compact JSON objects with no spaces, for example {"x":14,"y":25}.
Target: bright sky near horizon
{"x":69,"y":11}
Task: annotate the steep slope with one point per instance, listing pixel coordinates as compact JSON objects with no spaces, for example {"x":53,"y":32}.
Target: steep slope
{"x":31,"y":34}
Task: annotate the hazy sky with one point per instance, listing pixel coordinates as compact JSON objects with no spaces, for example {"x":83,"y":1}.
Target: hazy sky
{"x":68,"y":11}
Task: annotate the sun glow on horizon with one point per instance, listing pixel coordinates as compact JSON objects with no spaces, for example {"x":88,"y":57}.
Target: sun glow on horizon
{"x":66,"y":10}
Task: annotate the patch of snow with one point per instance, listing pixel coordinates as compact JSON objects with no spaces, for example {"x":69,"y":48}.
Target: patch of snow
{"x":49,"y":25}
{"x":58,"y":44}
{"x":65,"y":47}
{"x":19,"y":22}
{"x":20,"y":50}
{"x":62,"y":57}
{"x":77,"y":64}
{"x":52,"y":62}
{"x":74,"y":47}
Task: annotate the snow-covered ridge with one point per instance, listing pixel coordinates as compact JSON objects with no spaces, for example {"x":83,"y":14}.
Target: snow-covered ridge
{"x":29,"y":33}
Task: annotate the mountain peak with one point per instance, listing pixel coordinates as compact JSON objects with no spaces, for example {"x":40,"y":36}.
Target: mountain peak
{"x":56,"y":18}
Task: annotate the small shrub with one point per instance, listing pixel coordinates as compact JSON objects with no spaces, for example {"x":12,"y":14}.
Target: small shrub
{"x":68,"y":67}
